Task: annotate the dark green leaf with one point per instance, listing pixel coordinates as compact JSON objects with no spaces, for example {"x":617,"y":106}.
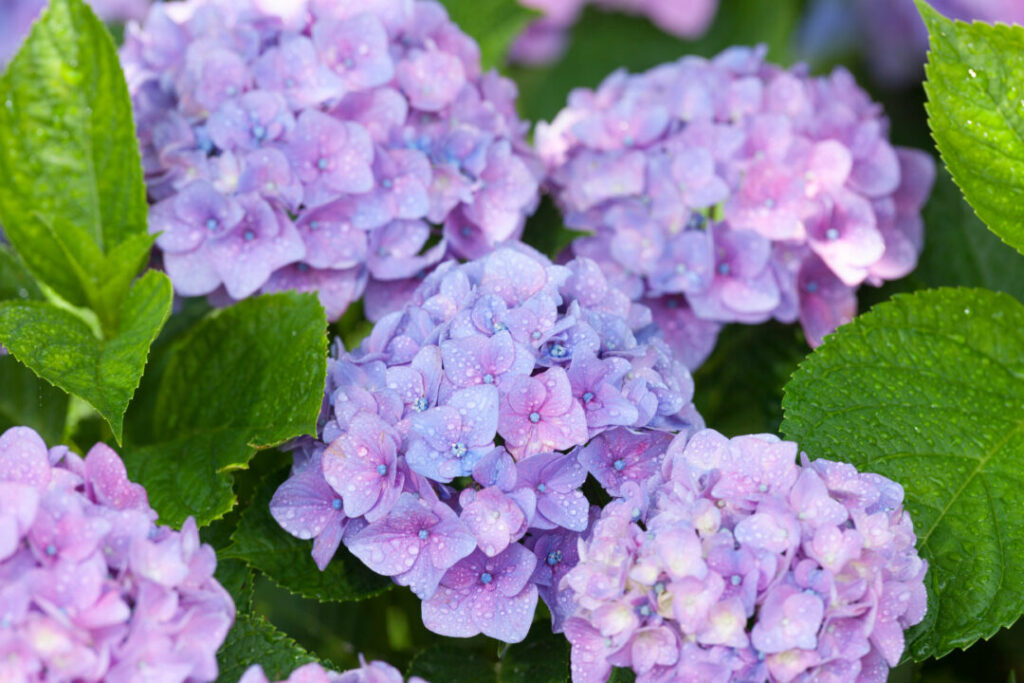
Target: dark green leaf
{"x":72,"y":197}
{"x":263,"y":544}
{"x":542,"y":658}
{"x":603,"y":42}
{"x":61,"y":347}
{"x":493,"y":23}
{"x":254,"y":641}
{"x":958,"y":250}
{"x":258,"y":366}
{"x":245,"y":377}
{"x":27,"y":400}
{"x":975,"y":90}
{"x":928,"y":390}
{"x":449,"y":662}
{"x":545,"y":230}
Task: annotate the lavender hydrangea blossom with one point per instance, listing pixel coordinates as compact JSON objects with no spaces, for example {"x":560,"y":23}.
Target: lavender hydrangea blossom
{"x":368,"y":672}
{"x":748,"y":567}
{"x":91,"y":589}
{"x":731,"y":190}
{"x":454,"y":441}
{"x":333,"y":147}
{"x":545,"y":39}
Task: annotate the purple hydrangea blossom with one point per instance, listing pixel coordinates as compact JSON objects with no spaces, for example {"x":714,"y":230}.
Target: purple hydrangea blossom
{"x":343,"y":149}
{"x":368,"y":672}
{"x":545,"y":39}
{"x":92,"y":588}
{"x":455,"y":440}
{"x":731,"y":190}
{"x":748,"y":566}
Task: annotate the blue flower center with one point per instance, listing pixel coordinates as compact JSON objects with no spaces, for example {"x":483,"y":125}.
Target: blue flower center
{"x":735,"y":579}
{"x":488,"y":378}
{"x":466,"y":231}
{"x":336,"y":503}
{"x":644,"y":610}
{"x":211,"y":223}
{"x":420,"y":404}
{"x":542,"y":487}
{"x":832,"y":234}
{"x":588,"y":396}
{"x":696,"y":222}
{"x":659,"y":588}
{"x":459,"y":449}
{"x":811,"y":287}
{"x":321,"y":163}
{"x":536,"y":334}
{"x":386,"y":183}
{"x":535,"y":417}
{"x":554,"y":557}
{"x":619,"y":465}
{"x":303,"y":267}
{"x":558,"y":351}
{"x":423,"y":534}
{"x":382,"y":469}
{"x":498,"y":326}
{"x":313,"y":225}
{"x":724,"y":269}
{"x":249,"y":235}
{"x":51,"y":550}
{"x":486,"y":578}
{"x":259,"y":132}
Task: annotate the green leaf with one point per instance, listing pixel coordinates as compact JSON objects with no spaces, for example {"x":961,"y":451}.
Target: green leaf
{"x":928,"y":390}
{"x":264,"y":545}
{"x":27,"y":400}
{"x":958,"y":250}
{"x":60,"y":347}
{"x":246,"y":377}
{"x":494,"y":24}
{"x":252,"y":640}
{"x":603,"y":42}
{"x":67,"y":124}
{"x":15,"y":280}
{"x":975,"y":87}
{"x":449,"y":662}
{"x":545,"y":230}
{"x":543,"y":657}
{"x":259,"y":365}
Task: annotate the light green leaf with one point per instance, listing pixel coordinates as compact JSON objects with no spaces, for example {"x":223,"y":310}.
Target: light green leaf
{"x":62,"y":349}
{"x":15,"y":280}
{"x":494,"y":24}
{"x":246,"y":377}
{"x":975,"y":87}
{"x":264,"y":545}
{"x":928,"y":390}
{"x":252,"y":640}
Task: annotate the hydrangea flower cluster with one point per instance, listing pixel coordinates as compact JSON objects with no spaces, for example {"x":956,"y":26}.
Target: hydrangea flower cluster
{"x":90,"y":588}
{"x":890,"y":33}
{"x":455,"y":440}
{"x":322,"y":145}
{"x":731,"y":190}
{"x":544,"y":40}
{"x":372,"y":672}
{"x":749,"y":567}
{"x":16,"y":17}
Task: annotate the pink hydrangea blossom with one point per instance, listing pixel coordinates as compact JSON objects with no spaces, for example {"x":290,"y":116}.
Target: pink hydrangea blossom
{"x":748,"y":566}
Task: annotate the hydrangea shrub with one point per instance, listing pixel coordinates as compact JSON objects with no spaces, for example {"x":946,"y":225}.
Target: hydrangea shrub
{"x":732,"y":190}
{"x":322,"y":146}
{"x":512,"y":427}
